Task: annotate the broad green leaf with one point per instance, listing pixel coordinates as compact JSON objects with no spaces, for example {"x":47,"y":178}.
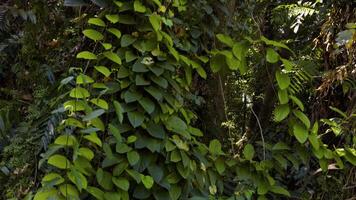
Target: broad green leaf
{"x":176,"y":124}
{"x":119,"y":111}
{"x":275,"y":43}
{"x":280,"y":146}
{"x":131,"y":139}
{"x":300,"y":133}
{"x":112,"y":195}
{"x":156,"y":93}
{"x":100,"y":103}
{"x":280,"y":190}
{"x":220,"y":165}
{"x":297,"y":102}
{"x":97,"y":22}
{"x":217,"y":62}
{"x":283,"y":96}
{"x":136,"y":118}
{"x":288,"y":65}
{"x":139,"y":7}
{"x":96,"y":192}
{"x":87,"y":55}
{"x":283,"y":80}
{"x":140,"y":81}
{"x":113,"y":57}
{"x":130,"y":56}
{"x":112,"y":18}
{"x":123,"y":72}
{"x":281,"y":112}
{"x":73,"y":122}
{"x":121,"y":183}
{"x":155,"y":21}
{"x":249,"y":152}
{"x":104,"y":70}
{"x":147,"y":181}
{"x":74,"y":105}
{"x":86,"y":153}
{"x":46,"y":193}
{"x":122,"y":148}
{"x":160,"y":81}
{"x":79,"y":93}
{"x":272,"y":56}
{"x":84,"y":79}
{"x":300,"y":115}
{"x":104,"y":179}
{"x":59,"y":161}
{"x":233,"y":63}
{"x":195,"y":131}
{"x":147,"y":104}
{"x":69,"y":191}
{"x":156,"y":172}
{"x":215,"y":147}
{"x":53,"y":178}
{"x":131,"y":96}
{"x":313,"y":139}
{"x":115,"y":32}
{"x":106,"y":46}
{"x":156,"y":130}
{"x":66,"y":140}
{"x":93,"y":137}
{"x":93,"y":34}
{"x":94,"y":114}
{"x":225,"y":39}
{"x":201,"y":72}
{"x":78,"y":179}
{"x":133,"y":157}
{"x":127,"y":40}
{"x":175,"y":192}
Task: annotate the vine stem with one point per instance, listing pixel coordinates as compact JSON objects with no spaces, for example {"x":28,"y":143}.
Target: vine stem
{"x":261,"y":132}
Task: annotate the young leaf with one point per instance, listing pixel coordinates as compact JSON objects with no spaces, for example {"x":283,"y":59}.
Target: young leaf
{"x":86,"y":55}
{"x":300,"y":133}
{"x":249,"y":152}
{"x":272,"y":56}
{"x":93,"y":34}
{"x":147,"y":181}
{"x":113,"y":57}
{"x":139,"y":7}
{"x":112,"y":18}
{"x":300,"y":115}
{"x":59,"y":161}
{"x":281,"y":112}
{"x":133,"y":157}
{"x":155,"y":21}
{"x":115,"y":32}
{"x":121,"y":183}
{"x":96,"y":21}
{"x":79,"y":93}
{"x":283,"y":80}
{"x":84,"y":79}
{"x":225,"y":39}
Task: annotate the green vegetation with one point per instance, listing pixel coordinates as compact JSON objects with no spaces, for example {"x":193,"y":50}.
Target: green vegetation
{"x":154,"y":99}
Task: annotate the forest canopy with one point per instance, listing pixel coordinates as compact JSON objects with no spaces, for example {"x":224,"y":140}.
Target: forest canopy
{"x":177,"y":99}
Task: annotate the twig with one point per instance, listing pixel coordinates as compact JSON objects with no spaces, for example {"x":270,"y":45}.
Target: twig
{"x":261,"y":132}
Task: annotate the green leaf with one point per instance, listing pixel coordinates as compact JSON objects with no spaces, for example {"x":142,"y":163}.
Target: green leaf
{"x":66,"y":140}
{"x":217,"y":62}
{"x":133,"y":157}
{"x":147,"y":181}
{"x":93,"y":137}
{"x":297,"y":102}
{"x":100,"y":103}
{"x":119,"y":111}
{"x":131,"y":139}
{"x":94,"y":114}
{"x":300,"y":133}
{"x":74,"y":105}
{"x":136,"y":118}
{"x":96,"y":192}
{"x":97,"y":22}
{"x":215,"y":147}
{"x":79,"y":93}
{"x":220,"y":165}
{"x":121,"y":183}
{"x":140,"y":81}
{"x":104,"y":70}
{"x":201,"y":72}
{"x":275,"y":43}
{"x":249,"y":152}
{"x":86,"y":153}
{"x":280,"y":146}
{"x":53,"y":179}
{"x":343,"y":114}
{"x":156,"y":130}
{"x":225,"y":39}
{"x":288,"y":65}
{"x":122,"y":148}
{"x":84,"y":79}
{"x":87,"y":55}
{"x":283,"y":80}
{"x":283,"y":96}
{"x":127,"y":40}
{"x":281,"y":112}
{"x":279,"y":190}
{"x":73,"y":122}
{"x":123,"y":72}
{"x":272,"y":56}
{"x":78,"y":179}
{"x":106,"y":46}
{"x":112,"y":195}
{"x":93,"y":34}
{"x":46,"y":193}
{"x":147,"y":104}
{"x":176,"y":124}
{"x":175,"y":191}
{"x":113,"y":57}
{"x":112,"y":18}
{"x":104,"y":179}
{"x":156,"y":172}
{"x":69,"y":191}
{"x":300,"y":115}
{"x":115,"y":32}
{"x":132,"y":96}
{"x":59,"y":161}
{"x":155,"y":21}
{"x":130,"y":56}
{"x":139,"y":7}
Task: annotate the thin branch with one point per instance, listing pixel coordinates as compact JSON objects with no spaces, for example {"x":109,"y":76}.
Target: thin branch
{"x":261,"y":132}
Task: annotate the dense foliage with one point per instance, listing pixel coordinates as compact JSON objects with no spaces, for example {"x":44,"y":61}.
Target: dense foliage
{"x":151,"y":99}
